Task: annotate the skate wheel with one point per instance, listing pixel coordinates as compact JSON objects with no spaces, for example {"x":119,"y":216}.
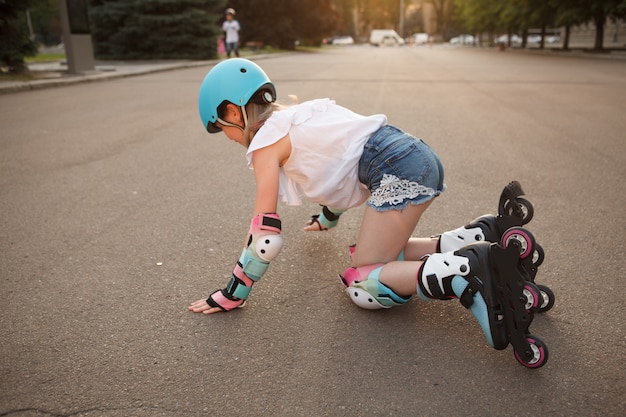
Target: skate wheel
{"x":524,"y":237}
{"x":520,"y":207}
{"x":538,"y":256}
{"x":548,"y":298}
{"x":533,"y":297}
{"x":537,"y":356}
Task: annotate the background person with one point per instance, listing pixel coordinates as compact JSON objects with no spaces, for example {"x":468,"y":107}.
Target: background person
{"x":231,"y":30}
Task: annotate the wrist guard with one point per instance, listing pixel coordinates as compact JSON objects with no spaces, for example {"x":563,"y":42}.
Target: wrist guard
{"x":264,"y":244}
{"x":327,"y":219}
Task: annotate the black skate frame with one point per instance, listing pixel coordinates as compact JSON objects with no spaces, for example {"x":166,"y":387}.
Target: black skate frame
{"x":510,"y":280}
{"x":511,"y":214}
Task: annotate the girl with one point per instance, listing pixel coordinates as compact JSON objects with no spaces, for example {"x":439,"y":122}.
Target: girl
{"x":340,"y":159}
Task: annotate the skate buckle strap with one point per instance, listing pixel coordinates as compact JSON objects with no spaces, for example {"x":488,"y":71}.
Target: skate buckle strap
{"x":474,"y":286}
{"x":435,"y":289}
{"x":252,"y":266}
{"x":435,"y":276}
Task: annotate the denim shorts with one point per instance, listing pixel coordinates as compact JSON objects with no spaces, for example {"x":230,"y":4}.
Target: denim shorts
{"x":399,"y":170}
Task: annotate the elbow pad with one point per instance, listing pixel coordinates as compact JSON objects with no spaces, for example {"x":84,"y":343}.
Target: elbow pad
{"x":264,"y":244}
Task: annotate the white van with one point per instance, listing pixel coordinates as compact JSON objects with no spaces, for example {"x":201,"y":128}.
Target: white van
{"x":419,"y":38}
{"x":383,"y":37}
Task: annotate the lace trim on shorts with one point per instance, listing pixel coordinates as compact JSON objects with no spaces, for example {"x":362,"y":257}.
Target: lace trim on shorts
{"x":394,"y":191}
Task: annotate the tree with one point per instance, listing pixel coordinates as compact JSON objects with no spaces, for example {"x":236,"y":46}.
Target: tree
{"x":569,"y":13}
{"x":15,"y":41}
{"x":46,"y":21}
{"x":522,"y":15}
{"x":478,"y":16}
{"x":315,"y":21}
{"x":576,"y":12}
{"x":345,"y":11}
{"x":600,"y":11}
{"x":283,"y":22}
{"x":542,"y":14}
{"x":443,"y":14}
{"x":155,"y":29}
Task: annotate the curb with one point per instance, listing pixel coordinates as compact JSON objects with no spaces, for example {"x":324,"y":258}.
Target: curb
{"x":103,"y":72}
{"x":108,"y":71}
{"x":572,"y":53}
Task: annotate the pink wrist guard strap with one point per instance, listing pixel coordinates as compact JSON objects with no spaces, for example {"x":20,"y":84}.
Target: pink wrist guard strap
{"x":220,"y":300}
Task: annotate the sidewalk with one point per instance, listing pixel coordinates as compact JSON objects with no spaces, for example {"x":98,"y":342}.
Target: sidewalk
{"x":54,"y":74}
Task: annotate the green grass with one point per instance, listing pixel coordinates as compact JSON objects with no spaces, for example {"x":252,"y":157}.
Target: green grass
{"x":308,"y":48}
{"x":44,"y":58}
{"x":28,"y":76}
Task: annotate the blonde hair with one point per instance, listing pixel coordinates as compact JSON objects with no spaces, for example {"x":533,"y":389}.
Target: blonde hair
{"x":258,"y":115}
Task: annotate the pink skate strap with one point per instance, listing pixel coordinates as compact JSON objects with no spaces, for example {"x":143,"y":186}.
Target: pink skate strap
{"x":218,"y":299}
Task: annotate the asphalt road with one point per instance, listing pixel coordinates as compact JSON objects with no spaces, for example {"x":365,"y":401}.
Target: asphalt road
{"x":117,"y":210}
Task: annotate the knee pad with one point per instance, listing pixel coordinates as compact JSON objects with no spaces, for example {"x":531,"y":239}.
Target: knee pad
{"x":362,"y":273}
{"x":370,"y":293}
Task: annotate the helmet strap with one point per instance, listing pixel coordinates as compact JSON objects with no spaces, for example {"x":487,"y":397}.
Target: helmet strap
{"x":244,"y":115}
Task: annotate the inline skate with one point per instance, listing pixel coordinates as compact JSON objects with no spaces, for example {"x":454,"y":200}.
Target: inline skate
{"x":514,"y":211}
{"x":489,"y":280}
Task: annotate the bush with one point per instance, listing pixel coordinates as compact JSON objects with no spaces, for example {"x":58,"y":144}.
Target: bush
{"x":155,"y":29}
{"x":15,"y":42}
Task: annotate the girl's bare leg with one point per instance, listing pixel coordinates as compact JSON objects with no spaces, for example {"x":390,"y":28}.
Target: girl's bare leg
{"x":417,"y":247}
{"x":382,"y":237}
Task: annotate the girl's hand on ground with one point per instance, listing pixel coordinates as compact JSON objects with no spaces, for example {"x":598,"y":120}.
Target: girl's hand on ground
{"x":313,"y":225}
{"x":201,"y":306}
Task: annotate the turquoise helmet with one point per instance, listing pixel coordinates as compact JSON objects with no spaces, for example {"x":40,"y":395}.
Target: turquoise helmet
{"x":238,"y":81}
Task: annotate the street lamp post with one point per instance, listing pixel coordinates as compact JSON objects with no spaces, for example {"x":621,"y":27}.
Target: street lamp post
{"x":401,"y":25}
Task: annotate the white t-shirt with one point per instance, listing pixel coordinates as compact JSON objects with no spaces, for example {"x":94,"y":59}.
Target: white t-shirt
{"x":326,"y":144}
{"x":232,"y":29}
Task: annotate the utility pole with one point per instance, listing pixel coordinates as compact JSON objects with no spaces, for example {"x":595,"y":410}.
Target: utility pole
{"x":77,"y":36}
{"x":31,"y":34}
{"x":401,"y":25}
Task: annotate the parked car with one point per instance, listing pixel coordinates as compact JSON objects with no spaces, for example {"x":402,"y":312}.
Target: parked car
{"x":419,"y":38}
{"x":343,"y":40}
{"x":462,"y":40}
{"x":385,"y":37}
{"x":553,"y":39}
{"x":533,"y":39}
{"x":504,"y":39}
